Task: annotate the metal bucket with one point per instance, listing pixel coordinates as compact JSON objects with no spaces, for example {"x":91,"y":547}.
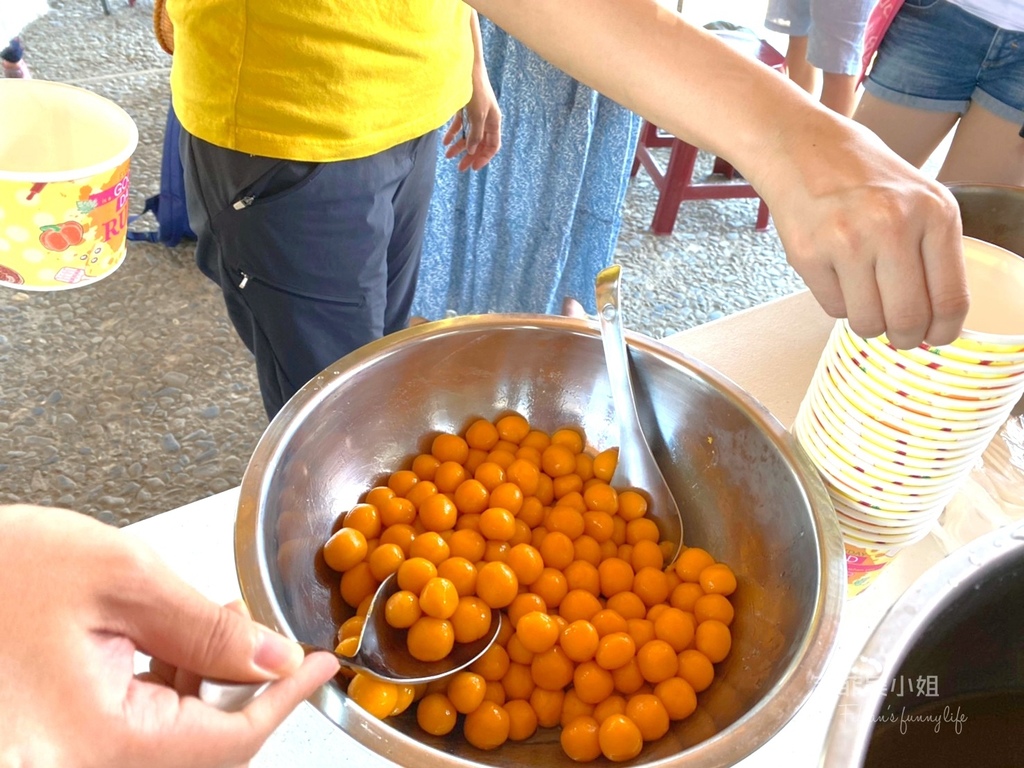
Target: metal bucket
{"x":941,"y":680}
{"x":993,"y":213}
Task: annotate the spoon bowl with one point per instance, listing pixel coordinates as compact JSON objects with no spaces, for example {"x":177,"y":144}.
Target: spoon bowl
{"x":382,"y":653}
{"x":637,"y":468}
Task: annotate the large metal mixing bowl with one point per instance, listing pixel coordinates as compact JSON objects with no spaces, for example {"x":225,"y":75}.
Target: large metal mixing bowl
{"x":746,"y":491}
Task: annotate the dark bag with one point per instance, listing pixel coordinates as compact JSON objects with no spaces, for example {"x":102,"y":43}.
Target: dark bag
{"x":169,"y":205}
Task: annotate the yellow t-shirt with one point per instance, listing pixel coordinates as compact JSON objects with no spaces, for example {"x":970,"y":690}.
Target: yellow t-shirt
{"x":318,"y":80}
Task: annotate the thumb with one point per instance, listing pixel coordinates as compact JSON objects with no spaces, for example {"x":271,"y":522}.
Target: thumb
{"x":171,"y":621}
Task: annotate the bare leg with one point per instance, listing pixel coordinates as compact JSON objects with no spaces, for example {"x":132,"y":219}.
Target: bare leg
{"x":839,"y":92}
{"x":985,"y":148}
{"x":801,"y":71}
{"x":913,"y":134}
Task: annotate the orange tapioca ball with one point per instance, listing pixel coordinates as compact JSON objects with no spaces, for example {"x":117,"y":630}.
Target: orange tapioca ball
{"x":605,"y":463}
{"x":579,"y":739}
{"x":402,"y":609}
{"x":513,"y":427}
{"x":476,"y":458}
{"x":557,"y":460}
{"x":556,"y":549}
{"x":712,"y":638}
{"x":573,"y":499}
{"x":615,"y":649}
{"x":508,"y":496}
{"x":397,"y":510}
{"x":466,"y":691}
{"x":651,"y":585}
{"x":435,"y":714}
{"x":506,"y":446}
{"x":585,"y":468}
{"x":585,"y":549}
{"x":468,"y":522}
{"x":616,"y":576}
{"x":545,"y":489}
{"x":345,"y":548}
{"x":620,"y":738}
{"x":613,"y":705}
{"x":537,"y":439}
{"x":714,"y":606}
{"x":677,"y":696}
{"x":522,"y":604}
{"x":482,"y":434}
{"x":527,"y":563}
{"x":517,"y":653}
{"x":537,"y":536}
{"x":552,"y":669}
{"x":437,"y":512}
{"x":518,"y":681}
{"x":641,"y":630}
{"x":357,"y":583}
{"x":573,"y":707}
{"x":449,"y":476}
{"x":430,"y":638}
{"x":414,"y":573}
{"x":496,"y":584}
{"x":501,"y":458}
{"x":598,"y":525}
{"x":537,"y":631}
{"x":628,"y":678}
{"x":493,"y":664}
{"x":618,"y":530}
{"x":649,"y":714}
{"x":425,"y":466}
{"x":685,"y":595}
{"x":525,"y":475}
{"x":496,"y":551}
{"x":567,"y":485}
{"x":522,"y":534}
{"x":642,"y":529}
{"x":448,"y":447}
{"x":497,"y":524}
{"x":420,"y":492}
{"x":578,"y":604}
{"x":529,"y":454}
{"x":607,"y":621}
{"x":365,"y":518}
{"x":439,"y":598}
{"x":675,"y":627}
{"x":601,"y":497}
{"x":625,"y":553}
{"x":495,"y":692}
{"x":568,"y":437}
{"x":627,"y":604}
{"x":632,"y":505}
{"x":351,"y":627}
{"x":402,"y":481}
{"x":406,"y":696}
{"x":431,"y":546}
{"x":691,"y":562}
{"x":375,"y":696}
{"x":579,"y":640}
{"x":657,"y":660}
{"x":467,"y":543}
{"x":490,"y":475}
{"x":552,"y":586}
{"x":378,"y":495}
{"x":647,"y":554}
{"x":592,"y":682}
{"x":718,"y":579}
{"x":487,"y":726}
{"x":471,"y":620}
{"x":385,"y":560}
{"x":548,"y":706}
{"x":695,"y":668}
{"x":566,"y":520}
{"x":522,"y":719}
{"x":460,"y":572}
{"x":532,"y":512}
{"x":656,"y":610}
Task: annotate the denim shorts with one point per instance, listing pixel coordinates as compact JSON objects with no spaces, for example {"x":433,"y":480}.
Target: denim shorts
{"x":940,"y":58}
{"x":834,"y":30}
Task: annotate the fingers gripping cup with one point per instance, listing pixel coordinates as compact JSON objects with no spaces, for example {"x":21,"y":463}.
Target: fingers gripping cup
{"x":894,"y":432}
{"x":64,"y":179}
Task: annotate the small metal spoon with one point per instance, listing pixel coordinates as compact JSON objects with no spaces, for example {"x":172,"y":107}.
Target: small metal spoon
{"x":636,"y":469}
{"x":382,"y":653}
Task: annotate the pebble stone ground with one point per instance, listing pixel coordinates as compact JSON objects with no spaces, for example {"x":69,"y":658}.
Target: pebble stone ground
{"x":134,"y":396}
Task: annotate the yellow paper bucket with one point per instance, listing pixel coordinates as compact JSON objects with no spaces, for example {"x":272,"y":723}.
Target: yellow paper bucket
{"x":64,"y":158}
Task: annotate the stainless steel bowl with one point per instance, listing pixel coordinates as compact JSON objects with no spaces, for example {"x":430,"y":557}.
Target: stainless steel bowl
{"x":941,"y":680}
{"x":746,"y":491}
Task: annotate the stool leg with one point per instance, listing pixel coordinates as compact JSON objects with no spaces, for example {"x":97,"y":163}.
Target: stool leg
{"x":762,"y":216}
{"x":678,"y":176}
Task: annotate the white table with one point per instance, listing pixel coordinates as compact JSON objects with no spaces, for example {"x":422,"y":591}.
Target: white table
{"x":771,"y":352}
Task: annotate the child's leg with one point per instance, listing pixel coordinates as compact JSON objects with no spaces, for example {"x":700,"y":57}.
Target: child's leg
{"x":985,"y":148}
{"x":911,"y":133}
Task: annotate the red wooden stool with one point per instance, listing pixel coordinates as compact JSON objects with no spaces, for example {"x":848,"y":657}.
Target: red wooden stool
{"x":675,"y":183}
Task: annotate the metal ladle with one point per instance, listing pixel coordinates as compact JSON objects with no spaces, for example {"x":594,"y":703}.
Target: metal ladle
{"x":636,"y":469}
{"x":382,"y":653}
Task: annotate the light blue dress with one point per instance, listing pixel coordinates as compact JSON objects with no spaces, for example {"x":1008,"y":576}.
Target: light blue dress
{"x":541,"y":220}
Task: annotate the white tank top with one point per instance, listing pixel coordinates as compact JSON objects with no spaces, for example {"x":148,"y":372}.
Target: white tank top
{"x":1008,"y":14}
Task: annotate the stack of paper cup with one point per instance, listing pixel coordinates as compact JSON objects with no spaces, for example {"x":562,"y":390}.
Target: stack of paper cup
{"x":895,"y":432}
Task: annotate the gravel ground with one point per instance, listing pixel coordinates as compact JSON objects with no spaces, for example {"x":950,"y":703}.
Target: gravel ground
{"x":135,"y":396}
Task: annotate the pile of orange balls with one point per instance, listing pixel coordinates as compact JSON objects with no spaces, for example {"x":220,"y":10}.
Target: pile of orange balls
{"x":603,"y":638}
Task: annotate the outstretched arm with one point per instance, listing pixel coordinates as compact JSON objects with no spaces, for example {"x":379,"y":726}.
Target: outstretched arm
{"x":873,"y":239}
